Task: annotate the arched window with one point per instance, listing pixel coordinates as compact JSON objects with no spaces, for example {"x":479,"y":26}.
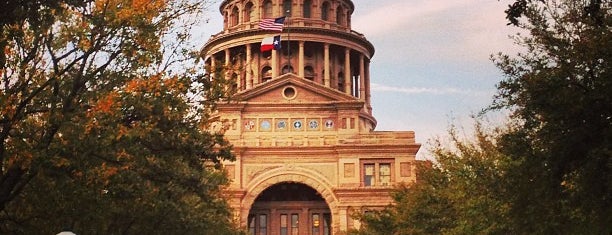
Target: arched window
{"x":267,"y":9}
{"x":341,"y":82}
{"x":226,"y":19}
{"x":309,"y":73}
{"x":307,"y":8}
{"x":339,"y":16}
{"x":266,"y":73}
{"x":287,"y":4}
{"x":234,"y":17}
{"x":287,"y":69}
{"x":325,"y":11}
{"x":249,"y":14}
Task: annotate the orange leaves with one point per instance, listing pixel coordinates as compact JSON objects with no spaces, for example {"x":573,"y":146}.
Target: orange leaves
{"x":156,"y":85}
{"x":22,"y":160}
{"x":106,"y":104}
{"x":130,"y":10}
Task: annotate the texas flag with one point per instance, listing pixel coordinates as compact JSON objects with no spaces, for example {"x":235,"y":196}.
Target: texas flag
{"x":270,"y":43}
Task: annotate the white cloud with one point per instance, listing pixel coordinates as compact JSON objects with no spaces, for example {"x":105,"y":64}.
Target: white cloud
{"x":387,"y":16}
{"x":462,"y":31}
{"x":428,"y":90}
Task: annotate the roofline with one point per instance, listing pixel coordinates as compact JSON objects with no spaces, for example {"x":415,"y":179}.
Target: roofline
{"x":353,"y":36}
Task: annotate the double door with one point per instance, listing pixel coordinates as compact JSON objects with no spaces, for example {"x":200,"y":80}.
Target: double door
{"x":299,"y":219}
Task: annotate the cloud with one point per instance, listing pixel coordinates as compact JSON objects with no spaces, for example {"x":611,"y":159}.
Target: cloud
{"x":387,"y":16}
{"x":459,"y":31}
{"x":428,"y":90}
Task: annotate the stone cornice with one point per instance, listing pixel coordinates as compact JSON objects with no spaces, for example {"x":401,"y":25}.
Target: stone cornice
{"x":311,"y":34}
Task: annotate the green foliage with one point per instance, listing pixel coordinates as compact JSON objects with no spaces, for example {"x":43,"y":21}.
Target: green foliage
{"x":549,"y":170}
{"x":459,"y":194}
{"x":104,"y":125}
{"x":559,"y":91}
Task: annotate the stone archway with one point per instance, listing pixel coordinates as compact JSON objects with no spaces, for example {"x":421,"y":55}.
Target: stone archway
{"x":289,"y":174}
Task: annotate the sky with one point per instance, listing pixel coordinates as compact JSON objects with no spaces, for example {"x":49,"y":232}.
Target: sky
{"x":432,"y":65}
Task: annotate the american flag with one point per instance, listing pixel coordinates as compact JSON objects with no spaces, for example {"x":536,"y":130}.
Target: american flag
{"x":275,"y":24}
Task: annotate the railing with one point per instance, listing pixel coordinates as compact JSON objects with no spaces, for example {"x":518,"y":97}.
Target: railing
{"x":374,"y":138}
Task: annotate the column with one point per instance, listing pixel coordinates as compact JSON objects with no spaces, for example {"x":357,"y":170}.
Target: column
{"x":275,"y":68}
{"x":227,"y":57}
{"x":347,"y":71}
{"x":301,"y":59}
{"x":342,"y":218}
{"x":213,"y":69}
{"x":249,"y":68}
{"x":326,"y":66}
{"x":256,"y":71}
{"x":367,"y":86}
{"x":362,"y":94}
{"x":228,"y":71}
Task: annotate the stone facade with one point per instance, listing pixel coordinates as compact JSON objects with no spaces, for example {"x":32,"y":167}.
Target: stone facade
{"x":307,"y":154}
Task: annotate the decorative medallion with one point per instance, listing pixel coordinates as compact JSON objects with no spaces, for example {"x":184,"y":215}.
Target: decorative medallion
{"x":281,"y":124}
{"x":297,"y":125}
{"x":313,"y":124}
{"x":329,"y":124}
{"x":249,"y":125}
{"x":265,"y":125}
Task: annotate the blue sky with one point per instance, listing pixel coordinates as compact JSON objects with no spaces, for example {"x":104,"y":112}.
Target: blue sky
{"x":431,"y":67}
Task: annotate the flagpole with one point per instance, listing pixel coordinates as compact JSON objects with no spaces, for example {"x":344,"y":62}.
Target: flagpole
{"x":290,"y":68}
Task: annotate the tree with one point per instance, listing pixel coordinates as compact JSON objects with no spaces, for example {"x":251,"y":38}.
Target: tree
{"x":559,"y":94}
{"x":461,"y":193}
{"x":549,"y":169}
{"x":104,"y":123}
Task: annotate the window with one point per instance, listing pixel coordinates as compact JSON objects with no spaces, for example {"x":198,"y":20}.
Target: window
{"x":252,"y":224}
{"x":249,"y":13}
{"x":234,"y":17}
{"x":283,"y":224}
{"x":287,"y":7}
{"x":385,"y":173}
{"x":339,"y":18}
{"x":316,"y":223}
{"x":266,"y":73}
{"x":307,"y":7}
{"x":368,"y":175}
{"x":320,"y":223}
{"x":294,"y":224}
{"x":326,"y":223}
{"x":341,"y":81}
{"x":325,"y":11}
{"x":263,"y":224}
{"x":377,"y":172}
{"x":287,"y":69}
{"x":309,"y":73}
{"x":267,"y":9}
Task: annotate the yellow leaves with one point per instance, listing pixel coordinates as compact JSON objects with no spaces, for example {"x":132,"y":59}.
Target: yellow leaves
{"x":155,"y":84}
{"x":130,"y":10}
{"x":84,"y":44}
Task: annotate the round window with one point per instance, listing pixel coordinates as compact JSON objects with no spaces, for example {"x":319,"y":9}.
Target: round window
{"x":289,"y":92}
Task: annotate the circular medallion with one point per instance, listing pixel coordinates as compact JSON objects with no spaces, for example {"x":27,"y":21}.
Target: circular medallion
{"x":281,"y":124}
{"x":265,"y":125}
{"x":313,"y":124}
{"x":297,"y":124}
{"x":329,"y":124}
{"x":249,"y":125}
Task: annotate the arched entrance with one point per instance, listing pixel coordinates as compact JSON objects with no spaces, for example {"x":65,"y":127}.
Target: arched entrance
{"x":289,"y":208}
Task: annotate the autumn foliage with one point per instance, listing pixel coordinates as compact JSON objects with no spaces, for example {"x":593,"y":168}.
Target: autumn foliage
{"x":103,"y":121}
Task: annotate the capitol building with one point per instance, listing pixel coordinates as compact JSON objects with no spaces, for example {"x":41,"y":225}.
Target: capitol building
{"x":308,"y":156}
